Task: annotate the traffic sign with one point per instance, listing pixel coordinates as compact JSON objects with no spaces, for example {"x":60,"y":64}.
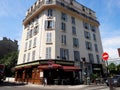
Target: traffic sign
{"x":105,"y":56}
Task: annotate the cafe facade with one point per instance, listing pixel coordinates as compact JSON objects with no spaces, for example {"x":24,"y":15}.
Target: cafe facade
{"x":55,"y":71}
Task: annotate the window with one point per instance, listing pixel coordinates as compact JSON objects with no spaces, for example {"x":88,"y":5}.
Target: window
{"x":49,"y":24}
{"x":48,"y":1}
{"x":87,"y":35}
{"x":93,"y":28}
{"x":63,"y":26}
{"x":26,"y":46}
{"x":85,"y":25}
{"x":30,"y":42}
{"x":73,"y":20}
{"x":91,"y":58}
{"x":33,"y":55}
{"x":30,"y":33}
{"x":96,"y":47}
{"x":24,"y":57}
{"x":35,"y":32}
{"x":28,"y":57}
{"x":35,"y":40}
{"x":75,"y":42}
{"x":27,"y":35}
{"x":76,"y":55}
{"x":49,"y":38}
{"x":50,"y":12}
{"x":88,"y":45}
{"x":64,"y":16}
{"x":63,"y":39}
{"x":74,"y":30}
{"x":98,"y":59}
{"x":48,"y":53}
{"x":94,"y":37}
{"x":64,"y":54}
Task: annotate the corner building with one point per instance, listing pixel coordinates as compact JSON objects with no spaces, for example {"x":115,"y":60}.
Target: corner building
{"x":61,"y":42}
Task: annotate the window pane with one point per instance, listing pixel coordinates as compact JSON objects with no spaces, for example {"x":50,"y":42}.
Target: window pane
{"x":98,"y":59}
{"x":24,"y":57}
{"x":64,"y":54}
{"x":91,"y":58}
{"x":63,"y":26}
{"x":48,"y":53}
{"x":49,"y":24}
{"x":33,"y":55}
{"x":35,"y":40}
{"x":76,"y":55}
{"x":64,"y":16}
{"x":74,"y":30}
{"x":50,"y":11}
{"x":49,"y":38}
{"x":28,"y":58}
{"x":73,"y":20}
{"x":75,"y":42}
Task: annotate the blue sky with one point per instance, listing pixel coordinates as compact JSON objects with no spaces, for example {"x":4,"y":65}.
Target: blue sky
{"x":12,"y":12}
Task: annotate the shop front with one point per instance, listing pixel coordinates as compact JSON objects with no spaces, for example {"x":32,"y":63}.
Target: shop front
{"x":55,"y":71}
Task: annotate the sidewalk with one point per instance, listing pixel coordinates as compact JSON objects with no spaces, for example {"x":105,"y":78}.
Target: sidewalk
{"x":82,"y":87}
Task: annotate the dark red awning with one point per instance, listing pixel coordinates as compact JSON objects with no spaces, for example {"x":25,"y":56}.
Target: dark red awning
{"x":71,"y":68}
{"x":27,"y":66}
{"x":53,"y":66}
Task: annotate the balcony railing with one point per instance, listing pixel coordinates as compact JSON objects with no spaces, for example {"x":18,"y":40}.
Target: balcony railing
{"x":62,"y":4}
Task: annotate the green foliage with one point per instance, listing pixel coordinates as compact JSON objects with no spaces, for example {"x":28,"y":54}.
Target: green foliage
{"x":118,"y":68}
{"x":10,"y":61}
{"x":93,"y":76}
{"x":112,"y":68}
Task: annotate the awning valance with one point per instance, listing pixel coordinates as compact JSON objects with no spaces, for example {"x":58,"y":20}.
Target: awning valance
{"x":54,"y":66}
{"x":71,"y":68}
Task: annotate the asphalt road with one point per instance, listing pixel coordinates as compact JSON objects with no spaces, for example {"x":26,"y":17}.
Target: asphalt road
{"x":19,"y":86}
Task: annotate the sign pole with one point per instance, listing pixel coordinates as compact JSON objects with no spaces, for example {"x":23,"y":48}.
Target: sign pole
{"x":105,"y":57}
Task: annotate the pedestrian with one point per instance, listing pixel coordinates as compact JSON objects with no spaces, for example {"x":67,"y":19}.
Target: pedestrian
{"x":45,"y":81}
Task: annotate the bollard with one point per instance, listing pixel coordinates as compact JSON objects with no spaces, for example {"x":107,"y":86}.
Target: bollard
{"x":110,"y":83}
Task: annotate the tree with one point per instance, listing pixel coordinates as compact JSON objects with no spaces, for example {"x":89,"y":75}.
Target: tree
{"x":112,"y":68}
{"x":118,"y":69}
{"x":10,"y":61}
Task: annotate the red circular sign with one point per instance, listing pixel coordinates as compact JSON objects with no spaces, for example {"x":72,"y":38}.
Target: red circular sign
{"x":105,"y":56}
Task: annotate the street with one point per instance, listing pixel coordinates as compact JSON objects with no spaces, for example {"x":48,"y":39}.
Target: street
{"x":20,"y":86}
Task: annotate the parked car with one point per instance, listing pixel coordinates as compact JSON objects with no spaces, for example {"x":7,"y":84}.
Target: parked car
{"x":115,"y":81}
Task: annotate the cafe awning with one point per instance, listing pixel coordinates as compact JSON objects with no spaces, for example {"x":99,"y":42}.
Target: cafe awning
{"x":52,"y":66}
{"x":71,"y":68}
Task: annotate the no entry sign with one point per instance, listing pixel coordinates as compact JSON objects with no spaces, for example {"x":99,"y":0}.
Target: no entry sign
{"x":105,"y":56}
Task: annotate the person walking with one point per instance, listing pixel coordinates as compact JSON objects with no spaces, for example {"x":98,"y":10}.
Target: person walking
{"x":45,"y":81}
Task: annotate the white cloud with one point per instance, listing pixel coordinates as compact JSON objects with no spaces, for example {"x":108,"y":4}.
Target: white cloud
{"x":111,"y":45}
{"x":1,"y":38}
{"x":111,"y":42}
